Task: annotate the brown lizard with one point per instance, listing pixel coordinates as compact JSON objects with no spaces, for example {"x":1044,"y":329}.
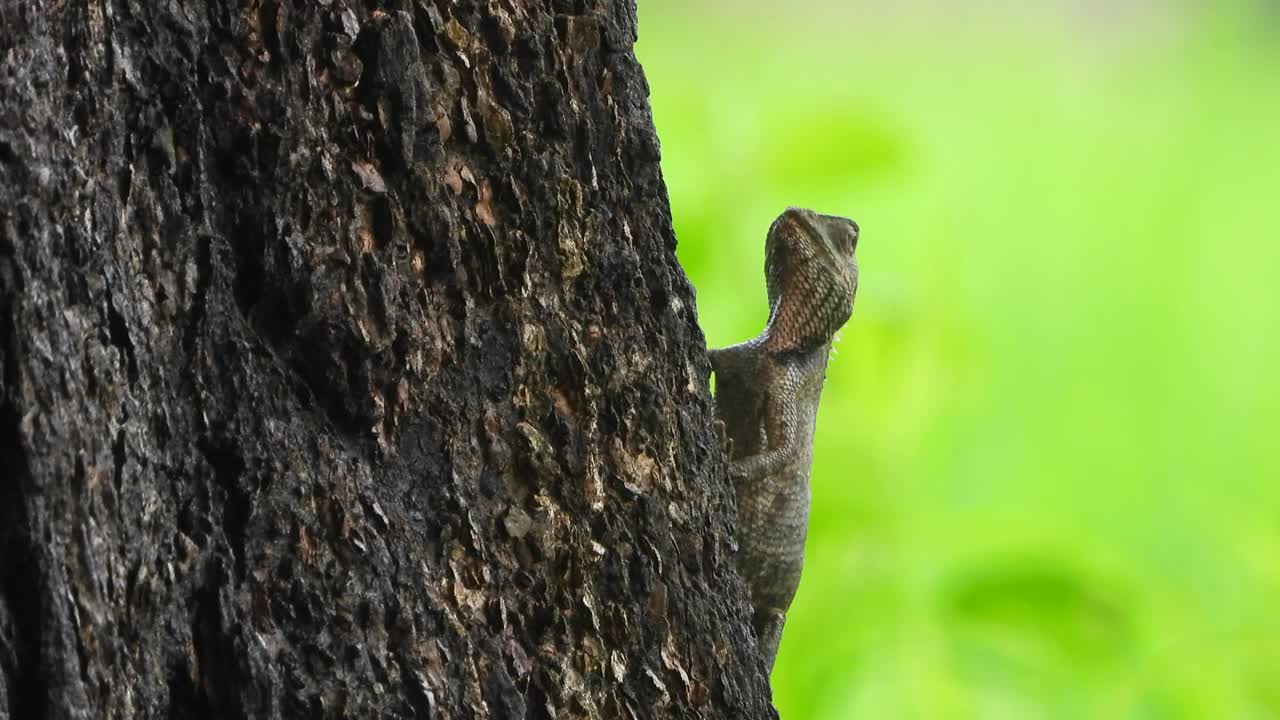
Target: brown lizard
{"x":767,"y":392}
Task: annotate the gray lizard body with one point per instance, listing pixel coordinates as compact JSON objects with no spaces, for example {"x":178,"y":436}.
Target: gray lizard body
{"x":767,"y":392}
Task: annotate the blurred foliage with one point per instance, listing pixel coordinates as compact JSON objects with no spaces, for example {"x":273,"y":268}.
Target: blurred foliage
{"x":1046,"y":477}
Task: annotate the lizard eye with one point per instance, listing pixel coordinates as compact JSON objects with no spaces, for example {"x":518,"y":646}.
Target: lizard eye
{"x":853,"y":236}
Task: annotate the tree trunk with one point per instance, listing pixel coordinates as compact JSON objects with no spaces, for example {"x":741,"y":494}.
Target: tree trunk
{"x":348,"y":371}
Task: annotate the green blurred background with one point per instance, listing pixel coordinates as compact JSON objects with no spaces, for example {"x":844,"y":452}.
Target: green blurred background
{"x":1045,"y":481}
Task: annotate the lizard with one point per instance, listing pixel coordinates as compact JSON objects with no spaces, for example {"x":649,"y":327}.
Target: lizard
{"x":766,"y":396}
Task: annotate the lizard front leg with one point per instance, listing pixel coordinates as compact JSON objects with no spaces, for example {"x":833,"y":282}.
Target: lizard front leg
{"x":780,"y":433}
{"x":735,"y":362}
{"x":735,"y":368}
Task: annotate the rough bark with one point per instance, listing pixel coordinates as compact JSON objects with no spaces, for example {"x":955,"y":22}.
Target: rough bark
{"x":348,"y":371}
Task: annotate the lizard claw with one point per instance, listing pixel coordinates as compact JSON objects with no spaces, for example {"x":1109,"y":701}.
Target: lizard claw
{"x":722,"y":437}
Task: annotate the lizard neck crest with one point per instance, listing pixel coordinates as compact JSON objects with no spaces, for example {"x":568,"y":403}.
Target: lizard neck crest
{"x":812,"y":276}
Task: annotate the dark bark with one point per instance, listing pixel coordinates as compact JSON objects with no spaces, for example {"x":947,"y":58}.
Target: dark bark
{"x":348,"y":371}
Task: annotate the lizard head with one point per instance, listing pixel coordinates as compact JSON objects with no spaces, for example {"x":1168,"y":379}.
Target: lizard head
{"x":812,"y":276}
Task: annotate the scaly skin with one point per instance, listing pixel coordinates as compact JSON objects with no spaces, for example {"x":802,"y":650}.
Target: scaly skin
{"x":767,"y":392}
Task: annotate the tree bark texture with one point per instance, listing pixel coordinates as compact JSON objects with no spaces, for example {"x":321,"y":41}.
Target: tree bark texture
{"x":348,"y":371}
